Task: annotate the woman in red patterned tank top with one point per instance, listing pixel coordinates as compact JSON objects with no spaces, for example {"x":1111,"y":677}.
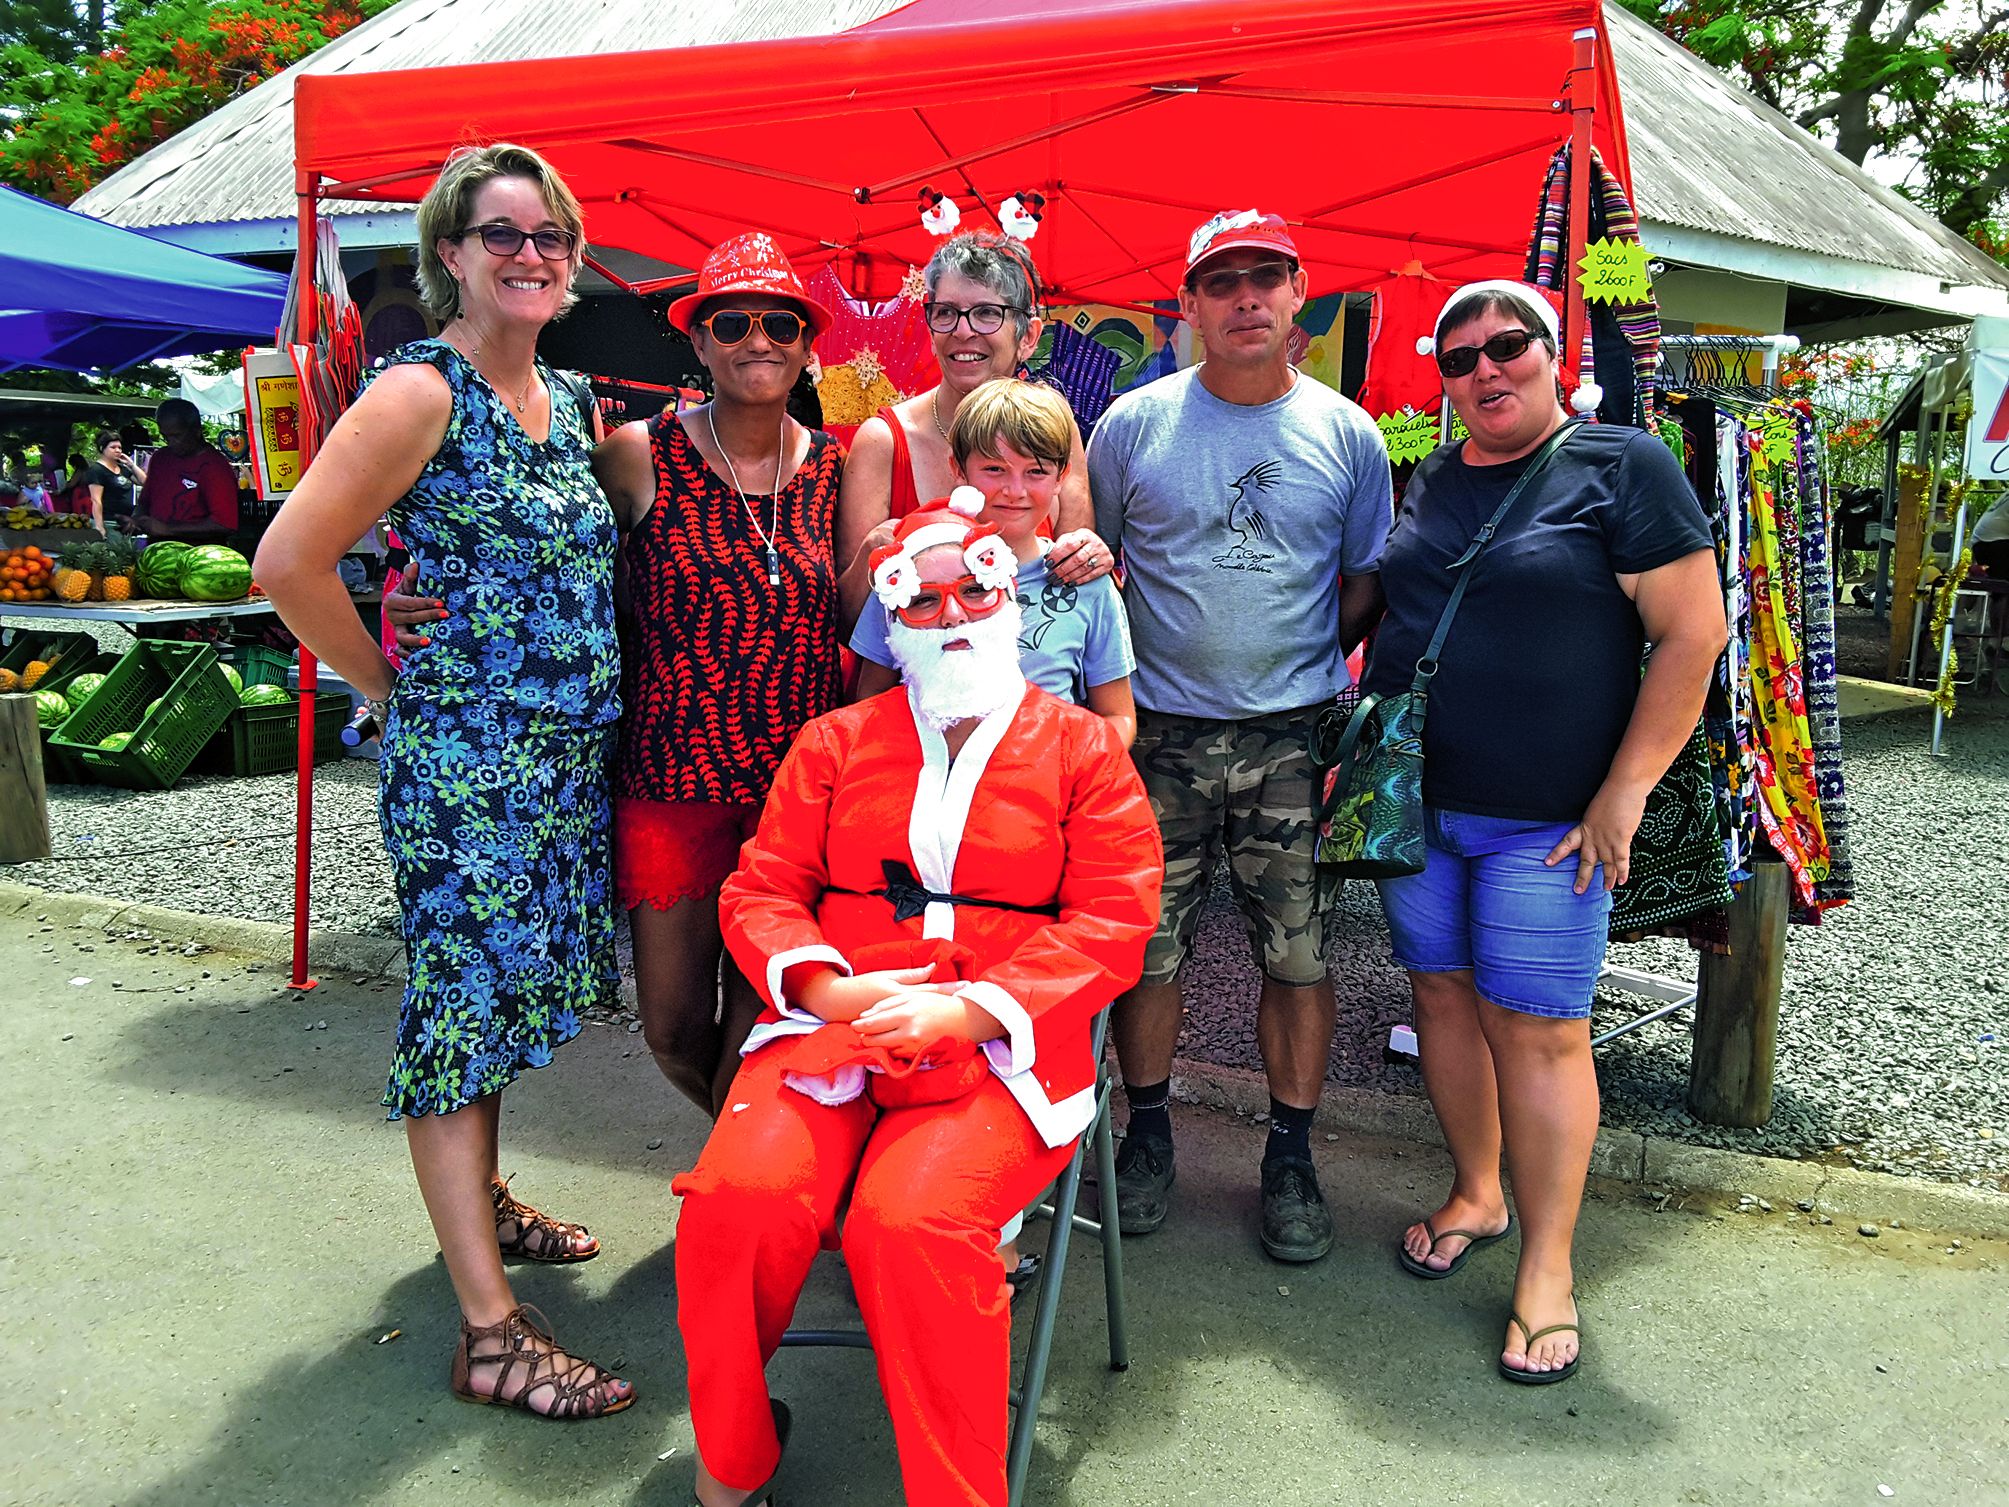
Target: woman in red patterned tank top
{"x":730,"y":644}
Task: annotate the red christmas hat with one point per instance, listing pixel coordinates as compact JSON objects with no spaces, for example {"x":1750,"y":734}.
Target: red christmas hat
{"x":895,"y":575}
{"x":749,"y":263}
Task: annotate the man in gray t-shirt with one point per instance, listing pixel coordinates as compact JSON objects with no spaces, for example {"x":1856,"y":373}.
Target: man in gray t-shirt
{"x":1249,"y":505}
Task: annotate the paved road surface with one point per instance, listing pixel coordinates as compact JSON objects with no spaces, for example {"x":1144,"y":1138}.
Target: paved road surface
{"x":213,"y":1225}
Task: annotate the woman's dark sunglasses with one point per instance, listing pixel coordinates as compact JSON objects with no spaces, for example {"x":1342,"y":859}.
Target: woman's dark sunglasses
{"x":507,"y":240}
{"x":729,"y":327}
{"x":1463,"y":360}
{"x":984,"y":318}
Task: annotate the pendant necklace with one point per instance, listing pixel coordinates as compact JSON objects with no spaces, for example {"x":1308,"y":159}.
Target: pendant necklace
{"x":767,"y":535}
{"x":522,"y":399}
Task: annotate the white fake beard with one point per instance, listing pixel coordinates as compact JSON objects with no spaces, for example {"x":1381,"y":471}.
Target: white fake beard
{"x":946,"y":686}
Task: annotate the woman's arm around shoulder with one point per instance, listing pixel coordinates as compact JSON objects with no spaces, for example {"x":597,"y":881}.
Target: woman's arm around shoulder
{"x":625,"y":465}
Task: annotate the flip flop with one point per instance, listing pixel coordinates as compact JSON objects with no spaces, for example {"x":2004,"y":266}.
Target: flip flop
{"x":763,"y":1494}
{"x":1416,"y":1268}
{"x":1542,"y":1378}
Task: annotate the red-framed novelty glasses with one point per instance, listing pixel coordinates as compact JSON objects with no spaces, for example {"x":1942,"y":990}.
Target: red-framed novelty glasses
{"x":1508,"y":345}
{"x":931,"y":600}
{"x":730,"y":327}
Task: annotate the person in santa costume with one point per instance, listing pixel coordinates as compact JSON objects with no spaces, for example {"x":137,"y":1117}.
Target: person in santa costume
{"x":949,"y":881}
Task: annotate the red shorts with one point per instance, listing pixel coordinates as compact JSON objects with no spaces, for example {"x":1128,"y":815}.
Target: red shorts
{"x":666,"y":851}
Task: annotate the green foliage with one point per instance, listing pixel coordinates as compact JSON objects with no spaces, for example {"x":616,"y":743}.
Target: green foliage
{"x":1923,"y":82}
{"x":67,"y":121}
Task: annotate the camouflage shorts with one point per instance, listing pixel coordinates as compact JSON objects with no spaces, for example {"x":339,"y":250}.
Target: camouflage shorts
{"x":1244,"y":788}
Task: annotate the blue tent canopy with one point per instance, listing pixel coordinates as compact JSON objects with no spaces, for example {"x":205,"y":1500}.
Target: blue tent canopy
{"x":77,"y":294}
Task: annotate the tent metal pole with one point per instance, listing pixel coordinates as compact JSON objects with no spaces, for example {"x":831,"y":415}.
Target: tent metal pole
{"x":1583,"y":112}
{"x":307,"y":262}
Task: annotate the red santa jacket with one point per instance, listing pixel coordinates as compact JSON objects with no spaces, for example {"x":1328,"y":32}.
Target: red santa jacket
{"x":1041,"y":809}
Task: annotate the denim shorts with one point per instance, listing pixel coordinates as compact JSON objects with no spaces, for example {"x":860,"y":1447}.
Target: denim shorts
{"x":1485,"y":901}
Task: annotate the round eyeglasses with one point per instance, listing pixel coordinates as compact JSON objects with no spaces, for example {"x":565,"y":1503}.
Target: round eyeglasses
{"x":983,"y":318}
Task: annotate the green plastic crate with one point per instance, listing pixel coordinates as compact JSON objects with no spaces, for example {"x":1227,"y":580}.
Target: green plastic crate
{"x":73,"y":652}
{"x":266,"y":739}
{"x":195,"y":701}
{"x":258,"y":665}
{"x":58,"y":767}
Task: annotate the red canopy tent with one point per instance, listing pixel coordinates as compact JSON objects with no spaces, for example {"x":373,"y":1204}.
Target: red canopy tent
{"x":1387,"y":132}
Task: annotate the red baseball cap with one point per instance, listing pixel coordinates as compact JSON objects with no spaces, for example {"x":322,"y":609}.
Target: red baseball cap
{"x":1233,"y":229}
{"x":749,"y":263}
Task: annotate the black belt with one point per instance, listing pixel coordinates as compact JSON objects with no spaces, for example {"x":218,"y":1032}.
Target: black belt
{"x":909,"y":898}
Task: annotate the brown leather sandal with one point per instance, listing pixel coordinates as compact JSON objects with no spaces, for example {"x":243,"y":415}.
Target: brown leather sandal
{"x":575,"y":1388}
{"x":523,"y":1232}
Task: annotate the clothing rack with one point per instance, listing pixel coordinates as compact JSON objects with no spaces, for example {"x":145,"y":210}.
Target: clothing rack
{"x":1707,"y":361}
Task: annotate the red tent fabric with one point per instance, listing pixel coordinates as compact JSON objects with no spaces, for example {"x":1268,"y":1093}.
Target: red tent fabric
{"x":1386,"y":131}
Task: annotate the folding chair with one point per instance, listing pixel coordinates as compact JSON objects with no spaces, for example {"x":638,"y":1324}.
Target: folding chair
{"x":1100,"y":1139}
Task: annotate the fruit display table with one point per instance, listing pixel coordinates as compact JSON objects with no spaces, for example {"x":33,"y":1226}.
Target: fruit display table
{"x":140,"y":613}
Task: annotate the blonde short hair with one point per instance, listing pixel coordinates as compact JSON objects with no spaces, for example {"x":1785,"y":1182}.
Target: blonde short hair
{"x":444,"y":212}
{"x":1034,"y":420}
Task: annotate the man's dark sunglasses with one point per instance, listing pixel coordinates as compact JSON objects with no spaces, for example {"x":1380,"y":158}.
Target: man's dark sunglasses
{"x":1264,"y":277}
{"x":728,"y":327}
{"x":507,"y":240}
{"x":984,"y":318}
{"x":1463,"y":360}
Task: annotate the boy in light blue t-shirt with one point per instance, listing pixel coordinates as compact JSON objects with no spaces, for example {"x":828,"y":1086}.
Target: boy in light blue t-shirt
{"x":1010,"y":440}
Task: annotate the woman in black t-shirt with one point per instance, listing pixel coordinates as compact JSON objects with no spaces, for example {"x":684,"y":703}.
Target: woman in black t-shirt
{"x":113,"y":480}
{"x":1541,"y":745}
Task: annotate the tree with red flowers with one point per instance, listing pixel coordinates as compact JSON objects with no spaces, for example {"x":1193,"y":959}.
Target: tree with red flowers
{"x":66,"y":122}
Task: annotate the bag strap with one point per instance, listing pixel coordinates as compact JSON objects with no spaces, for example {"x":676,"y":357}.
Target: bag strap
{"x":581,"y":393}
{"x":1426,"y":667}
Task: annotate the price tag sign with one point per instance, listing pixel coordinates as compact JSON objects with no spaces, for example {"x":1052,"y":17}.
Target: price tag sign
{"x":1615,"y":272}
{"x":1781,"y":434}
{"x":1409,"y":435}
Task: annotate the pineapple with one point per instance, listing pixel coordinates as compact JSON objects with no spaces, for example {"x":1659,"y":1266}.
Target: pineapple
{"x":73,"y":580}
{"x":115,"y":558}
{"x":32,"y":675}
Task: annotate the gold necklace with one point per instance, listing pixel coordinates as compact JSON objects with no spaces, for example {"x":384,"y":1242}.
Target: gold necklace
{"x":767,"y":535}
{"x":522,"y":399}
{"x":935,"y":407}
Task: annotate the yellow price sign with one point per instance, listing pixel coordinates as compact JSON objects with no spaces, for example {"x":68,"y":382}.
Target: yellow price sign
{"x":1614,"y":272}
{"x":1781,"y":434}
{"x":1409,"y":435}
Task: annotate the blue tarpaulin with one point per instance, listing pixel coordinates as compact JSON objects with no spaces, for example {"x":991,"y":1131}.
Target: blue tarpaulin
{"x":77,"y":294}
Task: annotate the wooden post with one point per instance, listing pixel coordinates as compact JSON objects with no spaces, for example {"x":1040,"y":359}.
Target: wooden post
{"x":1907,"y":555}
{"x":24,"y":798}
{"x":1737,"y":1007}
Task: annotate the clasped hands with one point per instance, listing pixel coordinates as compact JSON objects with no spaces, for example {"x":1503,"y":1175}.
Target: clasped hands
{"x":897,"y":1008}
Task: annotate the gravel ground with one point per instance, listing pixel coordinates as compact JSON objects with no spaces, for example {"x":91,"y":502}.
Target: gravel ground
{"x":1890,"y":1055}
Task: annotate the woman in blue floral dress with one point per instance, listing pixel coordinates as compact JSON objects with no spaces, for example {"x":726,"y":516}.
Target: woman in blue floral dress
{"x":497,"y":734}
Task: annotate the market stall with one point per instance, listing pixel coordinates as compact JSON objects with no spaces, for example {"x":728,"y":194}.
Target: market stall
{"x":1389,"y":133}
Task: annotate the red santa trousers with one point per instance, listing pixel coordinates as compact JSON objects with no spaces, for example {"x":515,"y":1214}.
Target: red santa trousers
{"x":930,"y":1187}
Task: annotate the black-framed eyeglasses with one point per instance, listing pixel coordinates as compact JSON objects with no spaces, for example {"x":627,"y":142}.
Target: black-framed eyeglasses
{"x":1264,"y":277}
{"x":1463,"y":360}
{"x":983,"y":318}
{"x":729,"y":327}
{"x":507,"y":240}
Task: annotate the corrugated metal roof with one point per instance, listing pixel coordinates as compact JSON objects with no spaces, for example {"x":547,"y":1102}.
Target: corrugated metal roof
{"x":1711,"y":157}
{"x":1706,"y":155}
{"x":237,"y":164}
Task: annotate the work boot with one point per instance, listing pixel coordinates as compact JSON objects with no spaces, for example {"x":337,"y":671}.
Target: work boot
{"x":1144,"y":1176}
{"x":1297,"y":1226}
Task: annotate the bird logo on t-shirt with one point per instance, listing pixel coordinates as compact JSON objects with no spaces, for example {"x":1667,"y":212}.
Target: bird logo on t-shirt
{"x":1245,"y":518}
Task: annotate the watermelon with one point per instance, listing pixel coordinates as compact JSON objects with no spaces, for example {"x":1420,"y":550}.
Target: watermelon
{"x":230,"y":674}
{"x":264,"y":695}
{"x":113,"y":742}
{"x":158,"y":573}
{"x":50,"y":708}
{"x":79,"y":690}
{"x":214,"y":573}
